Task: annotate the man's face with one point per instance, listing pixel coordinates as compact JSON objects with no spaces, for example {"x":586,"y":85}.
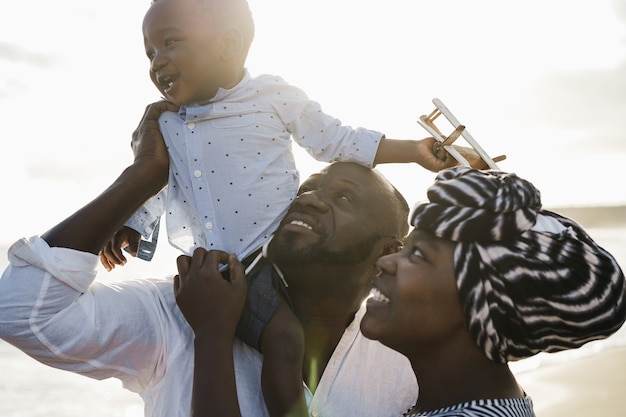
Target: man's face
{"x":336,"y":218}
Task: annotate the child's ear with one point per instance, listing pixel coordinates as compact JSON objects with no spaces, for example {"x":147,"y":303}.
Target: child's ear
{"x":233,"y":43}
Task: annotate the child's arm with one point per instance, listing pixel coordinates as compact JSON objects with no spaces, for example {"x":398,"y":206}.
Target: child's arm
{"x":425,"y":152}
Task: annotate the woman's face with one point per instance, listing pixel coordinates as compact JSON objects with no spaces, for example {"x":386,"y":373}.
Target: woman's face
{"x":415,"y":298}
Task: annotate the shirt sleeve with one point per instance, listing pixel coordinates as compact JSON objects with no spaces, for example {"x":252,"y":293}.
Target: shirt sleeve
{"x":146,"y":218}
{"x":146,"y":221}
{"x":324,"y":137}
{"x":51,"y":309}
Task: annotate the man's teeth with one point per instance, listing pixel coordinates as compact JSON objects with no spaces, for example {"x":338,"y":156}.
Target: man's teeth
{"x":379,"y":296}
{"x":301,"y":223}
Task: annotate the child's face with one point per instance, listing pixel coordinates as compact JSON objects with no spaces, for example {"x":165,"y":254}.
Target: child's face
{"x":186,"y":52}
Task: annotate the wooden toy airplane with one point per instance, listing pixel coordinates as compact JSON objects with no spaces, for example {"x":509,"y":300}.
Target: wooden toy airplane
{"x":428,"y":123}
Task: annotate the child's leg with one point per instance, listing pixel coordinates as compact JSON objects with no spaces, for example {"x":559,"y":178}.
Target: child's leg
{"x":282,"y":344}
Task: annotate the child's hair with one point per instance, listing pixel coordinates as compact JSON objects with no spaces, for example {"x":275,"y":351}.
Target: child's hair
{"x":231,"y":13}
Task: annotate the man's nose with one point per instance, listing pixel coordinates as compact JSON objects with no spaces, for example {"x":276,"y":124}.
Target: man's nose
{"x":312,"y":200}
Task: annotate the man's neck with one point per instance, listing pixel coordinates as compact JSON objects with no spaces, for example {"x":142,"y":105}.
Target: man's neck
{"x":323,"y":327}
{"x":325,"y":304}
{"x":321,"y":339}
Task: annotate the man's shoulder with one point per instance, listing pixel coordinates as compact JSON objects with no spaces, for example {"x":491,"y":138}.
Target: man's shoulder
{"x":157,"y":291}
{"x":162,"y":286}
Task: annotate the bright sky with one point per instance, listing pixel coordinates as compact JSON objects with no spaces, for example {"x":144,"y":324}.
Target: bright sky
{"x":543,"y":82}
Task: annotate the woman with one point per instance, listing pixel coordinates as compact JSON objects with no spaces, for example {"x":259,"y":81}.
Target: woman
{"x":487,"y":277}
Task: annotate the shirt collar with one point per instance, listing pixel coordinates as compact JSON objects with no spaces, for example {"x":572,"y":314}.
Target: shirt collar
{"x":204,"y":111}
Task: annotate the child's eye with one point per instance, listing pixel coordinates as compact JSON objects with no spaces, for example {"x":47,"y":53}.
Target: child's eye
{"x":170,"y":42}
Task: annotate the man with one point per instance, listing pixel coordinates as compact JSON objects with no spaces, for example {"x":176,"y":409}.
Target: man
{"x":343,"y":220}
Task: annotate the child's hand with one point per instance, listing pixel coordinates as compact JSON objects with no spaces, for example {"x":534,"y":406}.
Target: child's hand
{"x":210,"y":303}
{"x":112,"y":253}
{"x":432,"y":156}
{"x":441,"y":159}
{"x":473,"y":158}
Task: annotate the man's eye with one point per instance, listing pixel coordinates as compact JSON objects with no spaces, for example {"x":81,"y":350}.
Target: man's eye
{"x":304,"y":189}
{"x":417,"y":252}
{"x":344,"y":197}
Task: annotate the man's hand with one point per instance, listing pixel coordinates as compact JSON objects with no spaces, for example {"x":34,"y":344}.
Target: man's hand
{"x":210,"y":304}
{"x":91,"y":227}
{"x":147,"y":142}
{"x":151,"y":153}
{"x":212,"y":307}
{"x":112,"y":253}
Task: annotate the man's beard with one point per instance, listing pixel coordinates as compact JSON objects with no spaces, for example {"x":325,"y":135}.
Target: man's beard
{"x":285,"y":251}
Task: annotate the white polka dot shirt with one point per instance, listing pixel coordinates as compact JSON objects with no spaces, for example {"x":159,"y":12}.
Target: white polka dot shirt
{"x":232,"y":171}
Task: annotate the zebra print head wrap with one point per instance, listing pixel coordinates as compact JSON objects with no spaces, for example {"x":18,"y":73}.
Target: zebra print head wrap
{"x":529,"y":280}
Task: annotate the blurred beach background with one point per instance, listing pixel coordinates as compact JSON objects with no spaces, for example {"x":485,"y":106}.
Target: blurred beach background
{"x":543,"y":82}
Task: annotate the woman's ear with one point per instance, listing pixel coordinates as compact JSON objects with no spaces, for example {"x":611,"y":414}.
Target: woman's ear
{"x":233,"y":44}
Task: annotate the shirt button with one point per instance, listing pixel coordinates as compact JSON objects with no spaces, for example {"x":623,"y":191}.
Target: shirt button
{"x":208,"y":225}
{"x":190,"y":126}
{"x":197,"y":173}
{"x":314,"y":413}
